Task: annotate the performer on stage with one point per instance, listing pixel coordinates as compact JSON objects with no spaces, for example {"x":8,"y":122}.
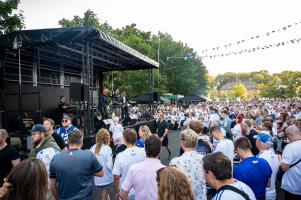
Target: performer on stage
{"x":124,"y":106}
{"x":103,"y":103}
{"x":61,"y":109}
{"x":116,"y":103}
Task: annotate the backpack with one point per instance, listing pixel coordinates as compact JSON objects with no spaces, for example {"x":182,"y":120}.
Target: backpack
{"x":203,"y":147}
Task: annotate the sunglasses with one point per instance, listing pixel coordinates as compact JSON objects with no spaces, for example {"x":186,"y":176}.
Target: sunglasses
{"x":64,"y":120}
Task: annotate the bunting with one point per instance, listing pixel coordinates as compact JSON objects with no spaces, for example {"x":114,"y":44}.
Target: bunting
{"x":239,"y":42}
{"x":258,"y":48}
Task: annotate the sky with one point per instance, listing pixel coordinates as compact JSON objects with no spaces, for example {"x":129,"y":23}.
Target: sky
{"x":202,"y":24}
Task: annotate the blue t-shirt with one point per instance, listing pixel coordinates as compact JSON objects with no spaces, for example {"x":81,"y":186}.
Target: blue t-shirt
{"x":64,"y":132}
{"x":255,"y":172}
{"x":228,"y":122}
{"x":140,"y":143}
{"x":74,"y":173}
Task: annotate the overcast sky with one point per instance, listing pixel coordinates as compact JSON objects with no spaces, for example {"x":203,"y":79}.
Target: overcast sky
{"x":201,"y":24}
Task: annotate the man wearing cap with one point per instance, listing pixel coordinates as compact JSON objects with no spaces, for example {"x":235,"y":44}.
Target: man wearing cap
{"x":44,"y":146}
{"x":66,"y":128}
{"x":264,"y":143}
{"x":291,"y":155}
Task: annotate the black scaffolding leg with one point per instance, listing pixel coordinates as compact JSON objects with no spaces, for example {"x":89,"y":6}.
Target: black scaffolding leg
{"x":151,"y":99}
{"x":20,"y":89}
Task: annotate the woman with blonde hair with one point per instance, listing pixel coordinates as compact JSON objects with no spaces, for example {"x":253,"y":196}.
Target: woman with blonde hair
{"x":27,"y":181}
{"x":144,"y":133}
{"x":173,"y":184}
{"x":103,"y":152}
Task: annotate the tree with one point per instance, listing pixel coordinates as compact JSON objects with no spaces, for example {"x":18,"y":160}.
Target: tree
{"x":177,"y":76}
{"x":10,"y":19}
{"x":239,"y":90}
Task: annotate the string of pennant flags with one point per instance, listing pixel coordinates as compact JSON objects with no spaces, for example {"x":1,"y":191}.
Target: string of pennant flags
{"x":251,"y":38}
{"x":279,"y":44}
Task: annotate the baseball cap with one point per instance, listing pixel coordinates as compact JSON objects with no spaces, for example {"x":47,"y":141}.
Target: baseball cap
{"x":265,"y":139}
{"x":38,"y":128}
{"x":293,"y":129}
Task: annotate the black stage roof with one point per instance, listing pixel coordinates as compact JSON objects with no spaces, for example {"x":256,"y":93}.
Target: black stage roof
{"x":65,"y":45}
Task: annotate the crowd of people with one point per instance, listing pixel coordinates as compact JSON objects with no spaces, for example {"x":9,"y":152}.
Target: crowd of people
{"x":229,"y":150}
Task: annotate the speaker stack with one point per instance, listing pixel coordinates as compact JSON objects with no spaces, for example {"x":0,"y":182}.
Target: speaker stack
{"x":78,"y":92}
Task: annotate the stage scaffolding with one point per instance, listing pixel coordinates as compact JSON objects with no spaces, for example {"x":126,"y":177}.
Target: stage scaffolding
{"x":33,"y":61}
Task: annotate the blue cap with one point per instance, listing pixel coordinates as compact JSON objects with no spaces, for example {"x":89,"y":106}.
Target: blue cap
{"x":266,"y":139}
{"x":38,"y":128}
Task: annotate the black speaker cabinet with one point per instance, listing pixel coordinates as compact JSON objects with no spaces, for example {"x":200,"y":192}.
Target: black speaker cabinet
{"x":75,"y":92}
{"x":156,"y":96}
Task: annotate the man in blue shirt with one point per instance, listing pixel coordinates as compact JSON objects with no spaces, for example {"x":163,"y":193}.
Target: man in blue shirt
{"x":103,"y":103}
{"x":226,"y":123}
{"x":253,"y":171}
{"x":72,"y":172}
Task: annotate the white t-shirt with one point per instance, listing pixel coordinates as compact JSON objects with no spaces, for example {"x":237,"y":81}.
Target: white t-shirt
{"x":236,"y":131}
{"x":273,"y":161}
{"x":125,"y":159}
{"x":226,"y":147}
{"x":105,"y":159}
{"x":214,"y":117}
{"x":46,"y":156}
{"x":292,"y":177}
{"x":117,"y":133}
{"x":187,"y":121}
{"x":231,"y":195}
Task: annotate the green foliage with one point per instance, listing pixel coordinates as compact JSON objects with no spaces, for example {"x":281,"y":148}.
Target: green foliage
{"x":175,"y":75}
{"x":240,"y":91}
{"x":286,"y":84}
{"x":258,"y":77}
{"x":9,"y":19}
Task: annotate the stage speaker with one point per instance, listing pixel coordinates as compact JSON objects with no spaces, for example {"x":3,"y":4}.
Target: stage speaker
{"x":75,"y":92}
{"x":79,"y":92}
{"x":156,"y":96}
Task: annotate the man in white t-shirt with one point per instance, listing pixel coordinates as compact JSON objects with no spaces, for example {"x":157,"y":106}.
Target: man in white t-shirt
{"x":218,"y":174}
{"x":131,"y":155}
{"x":214,"y":116}
{"x":264,"y":143}
{"x":291,"y":155}
{"x":222,"y":144}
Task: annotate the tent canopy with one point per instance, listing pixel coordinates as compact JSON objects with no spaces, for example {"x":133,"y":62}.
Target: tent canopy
{"x":66,"y":45}
{"x":192,"y":98}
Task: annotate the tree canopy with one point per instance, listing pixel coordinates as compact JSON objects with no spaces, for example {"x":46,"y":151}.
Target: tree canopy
{"x":240,"y":91}
{"x":286,"y":84}
{"x":176,"y":75}
{"x":10,"y":19}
